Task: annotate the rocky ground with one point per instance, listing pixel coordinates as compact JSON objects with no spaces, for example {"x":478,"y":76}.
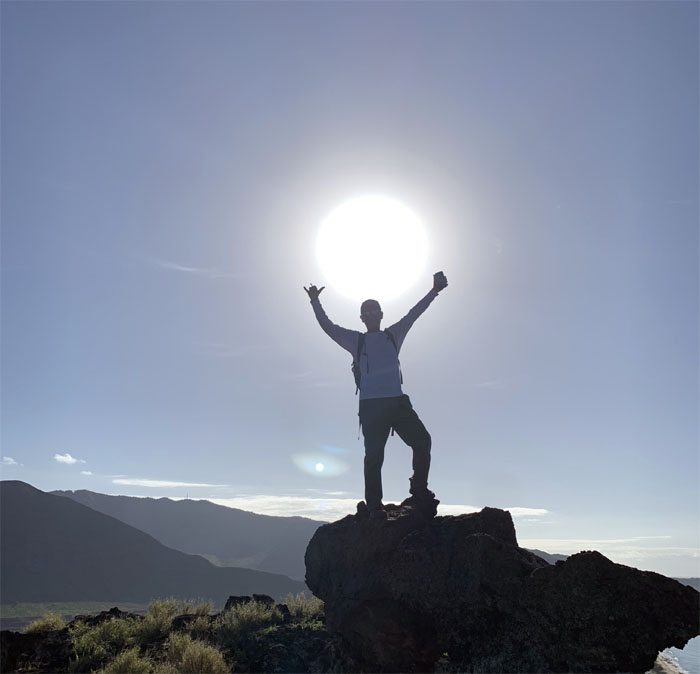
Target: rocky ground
{"x":278,"y":643}
{"x":417,"y":592}
{"x":256,"y":638}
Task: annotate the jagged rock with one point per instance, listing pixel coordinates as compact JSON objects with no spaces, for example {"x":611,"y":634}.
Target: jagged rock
{"x":264,"y":599}
{"x":245,"y":599}
{"x":103,"y":616}
{"x":42,"y":652}
{"x":404,"y":591}
{"x":235,"y":601}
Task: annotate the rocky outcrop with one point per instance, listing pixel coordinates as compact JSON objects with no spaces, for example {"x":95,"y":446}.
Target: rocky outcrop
{"x":234,"y":600}
{"x":408,"y":591}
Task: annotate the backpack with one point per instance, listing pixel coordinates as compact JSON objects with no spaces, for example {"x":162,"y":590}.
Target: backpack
{"x":356,"y":371}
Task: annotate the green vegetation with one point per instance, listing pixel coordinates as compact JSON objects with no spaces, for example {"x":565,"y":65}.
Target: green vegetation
{"x":231,"y":624}
{"x":303,"y":607}
{"x":187,"y":656}
{"x":128,"y":662}
{"x":177,"y":637}
{"x":51,"y":621}
{"x":192,"y":608}
{"x":93,"y":645}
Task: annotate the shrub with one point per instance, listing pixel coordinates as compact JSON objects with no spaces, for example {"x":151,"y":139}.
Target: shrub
{"x":176,"y":646}
{"x":47,"y":623}
{"x":191,"y":607}
{"x":163,"y":608}
{"x":188,"y":656}
{"x":203,"y":608}
{"x":244,"y":617}
{"x":108,"y":637}
{"x":164,"y":668}
{"x":158,"y":620}
{"x":200,"y":627}
{"x":303,"y":607}
{"x":152,"y":628}
{"x":128,"y":662}
{"x":203,"y":659}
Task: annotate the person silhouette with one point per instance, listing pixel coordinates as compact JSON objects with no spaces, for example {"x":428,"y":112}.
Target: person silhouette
{"x":384,"y":408}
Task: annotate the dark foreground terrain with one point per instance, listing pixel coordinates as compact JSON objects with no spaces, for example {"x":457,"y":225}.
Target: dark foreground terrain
{"x":249,"y":636}
{"x":174,"y":638}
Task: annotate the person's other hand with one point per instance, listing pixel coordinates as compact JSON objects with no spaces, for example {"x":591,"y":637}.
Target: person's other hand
{"x":439,"y":281}
{"x":313,"y":292}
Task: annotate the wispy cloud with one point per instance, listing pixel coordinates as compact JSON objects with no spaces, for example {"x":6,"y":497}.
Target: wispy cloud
{"x":567,"y":545}
{"x":333,"y":507}
{"x":515,"y":511}
{"x":67,"y":458}
{"x":327,"y":509}
{"x":637,"y":551}
{"x":327,"y":493}
{"x":160,"y":484}
{"x":207,"y":272}
{"x":8,"y":461}
{"x":86,"y":472}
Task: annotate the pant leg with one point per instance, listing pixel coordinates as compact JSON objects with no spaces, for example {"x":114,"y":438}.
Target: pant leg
{"x":376,"y":424}
{"x":412,"y":431}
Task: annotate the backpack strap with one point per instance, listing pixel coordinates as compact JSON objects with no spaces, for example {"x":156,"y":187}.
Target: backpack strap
{"x":392,"y":339}
{"x":356,"y":363}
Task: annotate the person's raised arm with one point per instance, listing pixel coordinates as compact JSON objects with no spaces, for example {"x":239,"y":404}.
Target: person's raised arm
{"x":401,"y":328}
{"x":342,"y":336}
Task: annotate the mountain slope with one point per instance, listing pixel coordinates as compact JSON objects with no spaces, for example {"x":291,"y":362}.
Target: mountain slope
{"x":228,"y":536}
{"x":548,"y":557}
{"x":54,"y":549}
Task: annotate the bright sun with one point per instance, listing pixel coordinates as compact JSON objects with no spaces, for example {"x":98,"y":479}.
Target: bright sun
{"x":372,"y":247}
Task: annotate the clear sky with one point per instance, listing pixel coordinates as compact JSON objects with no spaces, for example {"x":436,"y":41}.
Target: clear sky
{"x":165,"y":170}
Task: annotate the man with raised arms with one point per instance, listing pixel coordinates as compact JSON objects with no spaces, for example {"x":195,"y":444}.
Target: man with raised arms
{"x":383,"y":405}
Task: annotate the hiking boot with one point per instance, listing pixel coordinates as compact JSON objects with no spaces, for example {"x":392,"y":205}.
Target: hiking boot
{"x":420,"y":492}
{"x":377,"y":513}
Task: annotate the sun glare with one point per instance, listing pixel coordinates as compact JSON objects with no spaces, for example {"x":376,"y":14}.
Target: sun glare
{"x":372,"y":247}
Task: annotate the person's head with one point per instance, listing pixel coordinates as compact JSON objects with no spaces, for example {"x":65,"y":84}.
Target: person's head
{"x":371,"y":314}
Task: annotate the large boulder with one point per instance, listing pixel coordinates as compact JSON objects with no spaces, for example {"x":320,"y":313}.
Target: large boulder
{"x":404,"y":592}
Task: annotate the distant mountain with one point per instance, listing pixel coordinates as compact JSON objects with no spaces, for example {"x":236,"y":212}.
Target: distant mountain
{"x":548,"y":557}
{"x":693,"y":582}
{"x":54,"y":549}
{"x":225,"y":536}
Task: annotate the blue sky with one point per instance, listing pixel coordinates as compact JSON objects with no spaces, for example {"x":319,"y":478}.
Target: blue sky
{"x":166,"y":168}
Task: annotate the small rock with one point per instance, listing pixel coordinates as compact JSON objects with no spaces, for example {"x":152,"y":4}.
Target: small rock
{"x":235,"y":601}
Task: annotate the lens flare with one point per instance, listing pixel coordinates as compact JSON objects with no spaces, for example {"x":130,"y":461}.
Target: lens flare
{"x":320,"y":464}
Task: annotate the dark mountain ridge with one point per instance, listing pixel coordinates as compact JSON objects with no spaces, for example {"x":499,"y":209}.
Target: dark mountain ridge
{"x":54,"y":549}
{"x":226,"y":536}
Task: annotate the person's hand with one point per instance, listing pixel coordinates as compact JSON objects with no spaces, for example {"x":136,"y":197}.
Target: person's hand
{"x":439,"y":281}
{"x":313,"y":292}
